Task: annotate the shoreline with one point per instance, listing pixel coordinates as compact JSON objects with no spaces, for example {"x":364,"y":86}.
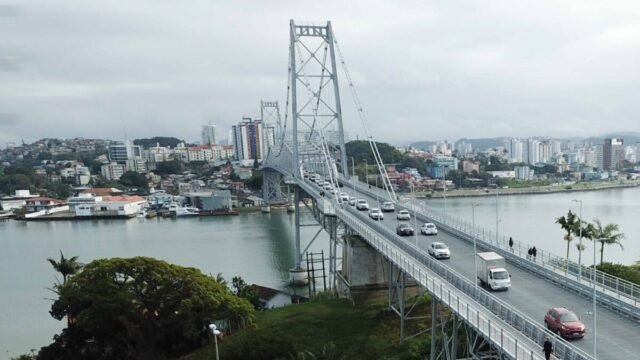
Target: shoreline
{"x":541,"y":190}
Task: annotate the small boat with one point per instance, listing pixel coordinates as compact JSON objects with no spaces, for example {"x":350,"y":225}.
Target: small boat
{"x":177,"y":210}
{"x":142,"y":214}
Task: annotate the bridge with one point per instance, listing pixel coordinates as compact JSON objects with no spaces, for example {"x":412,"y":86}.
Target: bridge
{"x":507,"y":325}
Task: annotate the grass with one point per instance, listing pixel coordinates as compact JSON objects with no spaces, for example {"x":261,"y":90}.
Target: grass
{"x":330,"y":329}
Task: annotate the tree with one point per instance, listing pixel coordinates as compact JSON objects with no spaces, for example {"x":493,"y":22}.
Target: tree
{"x":169,"y":167}
{"x":140,"y":308}
{"x":134,"y":179}
{"x":571,"y":225}
{"x":246,"y":292}
{"x":66,"y":267}
{"x":361,"y":149}
{"x":607,"y":235}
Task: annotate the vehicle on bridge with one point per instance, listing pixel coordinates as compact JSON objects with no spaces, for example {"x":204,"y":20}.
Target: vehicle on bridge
{"x":439,"y":250}
{"x":352,"y":201}
{"x":387,"y":206}
{"x":362,"y":204}
{"x":376,"y":214}
{"x":403,"y":215}
{"x":429,"y":229}
{"x":491,"y":271}
{"x":565,"y":323}
{"x":404,"y":229}
{"x":344,"y":197}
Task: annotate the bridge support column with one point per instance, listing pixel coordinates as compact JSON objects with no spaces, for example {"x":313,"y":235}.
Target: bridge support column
{"x":362,"y":265}
{"x":298,"y":273}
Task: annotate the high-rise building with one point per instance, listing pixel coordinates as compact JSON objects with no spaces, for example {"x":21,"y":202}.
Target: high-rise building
{"x":638,"y":152}
{"x":599,"y":156}
{"x":613,"y":154}
{"x":516,"y":151}
{"x":209,"y":134}
{"x":248,"y":139}
{"x":533,"y":147}
{"x":120,"y":152}
{"x":545,"y":152}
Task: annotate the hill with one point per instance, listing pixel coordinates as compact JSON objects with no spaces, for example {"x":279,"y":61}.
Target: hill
{"x":160,"y":140}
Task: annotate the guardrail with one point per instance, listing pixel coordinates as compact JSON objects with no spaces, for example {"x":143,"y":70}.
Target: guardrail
{"x":626,"y":292}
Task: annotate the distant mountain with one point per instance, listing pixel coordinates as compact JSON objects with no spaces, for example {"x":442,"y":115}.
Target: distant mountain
{"x":423,"y":145}
{"x":161,"y":140}
{"x":483,"y":143}
{"x":629,"y":138}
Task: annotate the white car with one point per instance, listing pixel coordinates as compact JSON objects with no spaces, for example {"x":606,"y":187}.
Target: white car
{"x":439,"y":250}
{"x":403,"y":215}
{"x":376,"y":214}
{"x":352,"y":201}
{"x":429,"y":229}
{"x":327,"y":186}
{"x":362,"y":205}
{"x":388,"y":207}
{"x":344,"y":197}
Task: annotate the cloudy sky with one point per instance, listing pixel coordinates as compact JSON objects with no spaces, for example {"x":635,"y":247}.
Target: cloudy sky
{"x":423,"y":69}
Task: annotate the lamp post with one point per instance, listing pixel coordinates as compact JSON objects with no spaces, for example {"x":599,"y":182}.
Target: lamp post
{"x":415,"y":216}
{"x":580,"y":251}
{"x":475,"y":251}
{"x":595,"y":337}
{"x":215,"y":337}
{"x":444,"y":186}
{"x":366,"y":172}
{"x":353,"y":178}
{"x":497,"y":219}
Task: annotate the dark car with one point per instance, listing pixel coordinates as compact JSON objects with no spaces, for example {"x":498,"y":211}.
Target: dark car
{"x":565,"y":323}
{"x":404,"y":229}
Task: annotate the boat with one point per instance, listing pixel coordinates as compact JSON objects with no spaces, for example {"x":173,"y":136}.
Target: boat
{"x":177,"y":210}
{"x":142,"y":214}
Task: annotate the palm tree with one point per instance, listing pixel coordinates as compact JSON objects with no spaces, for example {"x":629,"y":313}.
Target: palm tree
{"x":571,"y":225}
{"x":609,"y":235}
{"x":66,"y":267}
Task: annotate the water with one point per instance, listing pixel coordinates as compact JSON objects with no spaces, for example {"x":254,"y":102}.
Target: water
{"x":258,"y":247}
{"x":531,"y":219}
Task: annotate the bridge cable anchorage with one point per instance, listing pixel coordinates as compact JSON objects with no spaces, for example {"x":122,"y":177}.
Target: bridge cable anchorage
{"x":386,"y":182}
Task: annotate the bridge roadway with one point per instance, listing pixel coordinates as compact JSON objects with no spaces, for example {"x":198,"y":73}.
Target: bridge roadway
{"x":531,"y":295}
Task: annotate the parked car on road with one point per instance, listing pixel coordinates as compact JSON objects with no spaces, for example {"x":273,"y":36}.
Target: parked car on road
{"x":439,"y":250}
{"x":387,"y":206}
{"x":429,"y":229}
{"x":565,"y":323}
{"x":376,"y":214}
{"x":404,"y":229}
{"x":403,"y":215}
{"x":362,"y":204}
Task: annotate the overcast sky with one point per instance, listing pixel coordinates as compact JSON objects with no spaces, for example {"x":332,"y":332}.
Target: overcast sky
{"x":423,"y":69}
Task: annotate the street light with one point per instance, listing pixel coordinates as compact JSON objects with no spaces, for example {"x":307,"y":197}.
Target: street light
{"x":215,"y":337}
{"x":444,"y":185}
{"x":353,"y":178}
{"x":595,"y":338}
{"x":497,"y":220}
{"x":580,"y":251}
{"x":415,"y":216}
{"x":475,"y":251}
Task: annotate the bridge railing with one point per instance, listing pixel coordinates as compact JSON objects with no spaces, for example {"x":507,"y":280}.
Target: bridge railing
{"x":470,"y":306}
{"x":626,"y":292}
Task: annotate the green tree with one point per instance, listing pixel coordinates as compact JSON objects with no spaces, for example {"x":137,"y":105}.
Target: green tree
{"x":245,"y":291}
{"x":169,"y":167}
{"x":140,"y":308}
{"x":607,"y":235}
{"x":66,"y":266}
{"x":134,"y":179}
{"x":571,"y":225}
{"x":361,"y":149}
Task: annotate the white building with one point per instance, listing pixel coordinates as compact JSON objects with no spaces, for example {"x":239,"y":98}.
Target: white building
{"x":523,"y":173}
{"x":138,"y":165}
{"x":533,"y":147}
{"x":112,"y":171}
{"x":120,"y":206}
{"x":516,"y":151}
{"x":545,"y":152}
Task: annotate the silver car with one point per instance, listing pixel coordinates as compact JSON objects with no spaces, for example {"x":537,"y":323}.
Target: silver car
{"x":429,"y":229}
{"x":362,"y":205}
{"x":376,"y":214}
{"x":439,"y":250}
{"x":403,"y":215}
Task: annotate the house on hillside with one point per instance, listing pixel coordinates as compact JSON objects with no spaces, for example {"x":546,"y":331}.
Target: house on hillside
{"x":271,"y":298}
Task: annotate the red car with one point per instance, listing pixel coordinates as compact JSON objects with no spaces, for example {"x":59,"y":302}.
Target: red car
{"x":565,"y":323}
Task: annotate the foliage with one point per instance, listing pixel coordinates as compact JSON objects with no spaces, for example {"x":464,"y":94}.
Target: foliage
{"x":163,"y":141}
{"x":630,"y":273}
{"x":242,"y":290}
{"x":361,"y":150}
{"x":255,"y":182}
{"x":570,"y":224}
{"x":134,"y":179}
{"x":57,"y":190}
{"x":66,"y":266}
{"x":606,"y":235}
{"x":169,"y":167}
{"x":140,"y":308}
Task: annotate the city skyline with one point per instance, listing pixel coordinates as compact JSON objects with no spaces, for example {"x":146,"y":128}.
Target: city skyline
{"x":167,"y":69}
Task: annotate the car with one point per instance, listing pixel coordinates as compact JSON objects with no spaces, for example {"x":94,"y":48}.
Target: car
{"x":333,"y":191}
{"x":344,"y":197}
{"x":352,"y":201}
{"x":362,"y":204}
{"x":429,"y":229}
{"x":565,"y":323}
{"x":376,"y":214}
{"x":327,"y":186}
{"x":387,"y":206}
{"x":439,"y":250}
{"x":404,"y":229}
{"x":403,"y":215}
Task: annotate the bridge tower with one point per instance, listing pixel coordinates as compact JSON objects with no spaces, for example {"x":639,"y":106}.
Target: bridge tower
{"x":272,"y":181}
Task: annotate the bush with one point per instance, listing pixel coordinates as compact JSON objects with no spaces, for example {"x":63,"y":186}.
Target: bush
{"x":258,"y":344}
{"x":629,"y":273}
